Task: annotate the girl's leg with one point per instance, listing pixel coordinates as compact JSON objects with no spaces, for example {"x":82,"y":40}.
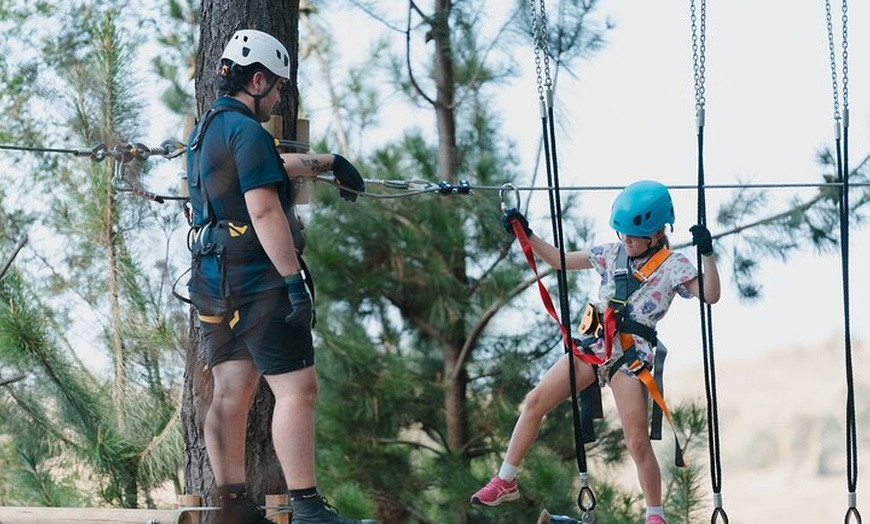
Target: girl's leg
{"x":550,"y":391}
{"x":631,"y":403}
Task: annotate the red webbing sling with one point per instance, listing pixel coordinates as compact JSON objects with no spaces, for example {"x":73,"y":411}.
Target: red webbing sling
{"x":548,"y":301}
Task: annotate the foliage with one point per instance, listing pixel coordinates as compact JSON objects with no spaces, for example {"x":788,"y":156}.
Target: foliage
{"x":753,"y":232}
{"x":112,"y":426}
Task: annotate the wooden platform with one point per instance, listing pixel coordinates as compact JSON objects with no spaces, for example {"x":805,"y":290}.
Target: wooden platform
{"x":34,"y":515}
{"x":190,"y":512}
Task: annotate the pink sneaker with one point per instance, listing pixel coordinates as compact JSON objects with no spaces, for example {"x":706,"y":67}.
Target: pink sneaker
{"x":496,"y":491}
{"x":656,"y":519}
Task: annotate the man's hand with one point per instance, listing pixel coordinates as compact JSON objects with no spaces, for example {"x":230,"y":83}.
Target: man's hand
{"x":301,"y":310}
{"x":352,"y":184}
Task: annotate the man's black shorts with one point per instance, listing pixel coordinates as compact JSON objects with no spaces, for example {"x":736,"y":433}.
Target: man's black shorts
{"x":256,"y":331}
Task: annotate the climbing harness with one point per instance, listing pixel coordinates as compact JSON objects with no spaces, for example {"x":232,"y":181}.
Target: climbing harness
{"x":616,"y":322}
{"x":215,"y":243}
{"x":842,"y":155}
{"x":699,"y":46}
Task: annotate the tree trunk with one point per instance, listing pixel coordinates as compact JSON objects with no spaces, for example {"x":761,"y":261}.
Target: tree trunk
{"x":456,"y":380}
{"x":220,"y":19}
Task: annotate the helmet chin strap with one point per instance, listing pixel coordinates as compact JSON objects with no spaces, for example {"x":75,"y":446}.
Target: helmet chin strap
{"x":257,"y":98}
{"x":649,"y":251}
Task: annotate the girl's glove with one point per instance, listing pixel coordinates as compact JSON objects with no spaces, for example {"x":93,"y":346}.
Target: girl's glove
{"x":701,"y":237}
{"x":507,"y":218}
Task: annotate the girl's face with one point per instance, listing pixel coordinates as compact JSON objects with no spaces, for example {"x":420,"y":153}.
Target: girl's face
{"x":636,"y":246}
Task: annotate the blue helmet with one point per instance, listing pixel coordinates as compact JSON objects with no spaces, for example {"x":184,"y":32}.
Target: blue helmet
{"x":641,"y":209}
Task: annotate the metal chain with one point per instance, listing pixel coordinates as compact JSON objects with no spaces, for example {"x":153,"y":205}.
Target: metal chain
{"x":845,"y":57}
{"x":833,"y":56}
{"x":533,"y":17}
{"x":540,"y":37}
{"x":545,"y":46}
{"x":699,"y":51}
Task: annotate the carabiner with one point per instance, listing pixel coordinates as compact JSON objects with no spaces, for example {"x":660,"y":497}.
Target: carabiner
{"x":501,"y":193}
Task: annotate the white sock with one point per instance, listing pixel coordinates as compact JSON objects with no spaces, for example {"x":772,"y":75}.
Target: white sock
{"x":507,"y":471}
{"x":654,"y":510}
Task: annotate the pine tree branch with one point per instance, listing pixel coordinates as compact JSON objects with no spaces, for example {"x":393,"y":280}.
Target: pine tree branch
{"x":18,"y":247}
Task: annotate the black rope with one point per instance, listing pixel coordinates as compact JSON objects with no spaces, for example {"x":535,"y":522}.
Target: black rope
{"x":707,"y":348}
{"x":585,"y":497}
{"x":699,"y":22}
{"x":841,"y":146}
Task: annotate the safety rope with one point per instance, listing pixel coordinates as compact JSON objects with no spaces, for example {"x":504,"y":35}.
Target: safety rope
{"x":399,"y":188}
{"x":122,"y":154}
{"x":698,"y":15}
{"x":544,"y":84}
{"x":842,"y":166}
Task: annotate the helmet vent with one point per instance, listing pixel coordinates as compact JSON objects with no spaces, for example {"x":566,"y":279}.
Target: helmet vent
{"x":246,"y":51}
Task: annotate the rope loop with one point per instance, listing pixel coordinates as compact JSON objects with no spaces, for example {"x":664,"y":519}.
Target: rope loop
{"x":719,"y":514}
{"x":586,"y":500}
{"x":852,"y":514}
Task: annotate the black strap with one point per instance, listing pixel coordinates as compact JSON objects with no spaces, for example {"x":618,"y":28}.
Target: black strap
{"x":308,"y":278}
{"x":591,"y":407}
{"x":195,"y":177}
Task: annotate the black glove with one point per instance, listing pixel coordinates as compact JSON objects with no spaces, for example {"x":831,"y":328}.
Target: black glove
{"x":701,"y":237}
{"x":510,"y":214}
{"x":351,"y":182}
{"x":301,"y":311}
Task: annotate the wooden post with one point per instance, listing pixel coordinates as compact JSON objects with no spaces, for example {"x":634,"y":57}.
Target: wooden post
{"x":189,"y":122}
{"x":303,"y":132}
{"x":275,"y":126}
{"x":189,"y":501}
{"x":274,"y":504}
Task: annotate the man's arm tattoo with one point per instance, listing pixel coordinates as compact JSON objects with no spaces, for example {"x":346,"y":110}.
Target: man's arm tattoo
{"x":315,"y":166}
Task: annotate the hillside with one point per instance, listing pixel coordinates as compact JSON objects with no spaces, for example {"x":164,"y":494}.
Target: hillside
{"x":782,"y":432}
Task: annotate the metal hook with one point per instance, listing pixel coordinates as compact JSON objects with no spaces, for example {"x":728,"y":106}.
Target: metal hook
{"x":501,"y":193}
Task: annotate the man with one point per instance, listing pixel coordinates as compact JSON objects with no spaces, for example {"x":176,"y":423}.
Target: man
{"x":248,"y":280}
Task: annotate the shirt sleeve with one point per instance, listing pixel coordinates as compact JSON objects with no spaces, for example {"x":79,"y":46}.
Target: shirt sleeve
{"x":684,"y":272}
{"x":598,"y":258}
{"x":256,"y":157}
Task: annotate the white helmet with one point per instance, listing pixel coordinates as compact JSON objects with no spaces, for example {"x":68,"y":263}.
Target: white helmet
{"x":249,"y":46}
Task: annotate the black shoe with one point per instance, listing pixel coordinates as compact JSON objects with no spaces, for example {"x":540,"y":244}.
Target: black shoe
{"x":242,"y":510}
{"x":315,"y":510}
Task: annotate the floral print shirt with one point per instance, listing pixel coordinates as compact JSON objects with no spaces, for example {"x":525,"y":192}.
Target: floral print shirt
{"x":649,"y":302}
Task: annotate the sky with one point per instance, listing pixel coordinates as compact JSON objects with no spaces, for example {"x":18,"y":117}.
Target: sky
{"x":630,"y":114}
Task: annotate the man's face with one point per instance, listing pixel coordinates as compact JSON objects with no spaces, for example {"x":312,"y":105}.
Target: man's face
{"x":271,"y":94}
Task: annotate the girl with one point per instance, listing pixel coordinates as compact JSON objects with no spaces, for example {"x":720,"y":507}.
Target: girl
{"x":639,"y":215}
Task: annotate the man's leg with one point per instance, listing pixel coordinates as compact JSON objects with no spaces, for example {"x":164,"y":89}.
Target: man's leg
{"x":235,"y":383}
{"x":293,"y":425}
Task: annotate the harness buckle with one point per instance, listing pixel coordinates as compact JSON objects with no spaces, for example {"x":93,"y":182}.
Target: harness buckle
{"x":616,"y":302}
{"x":636,"y":367}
